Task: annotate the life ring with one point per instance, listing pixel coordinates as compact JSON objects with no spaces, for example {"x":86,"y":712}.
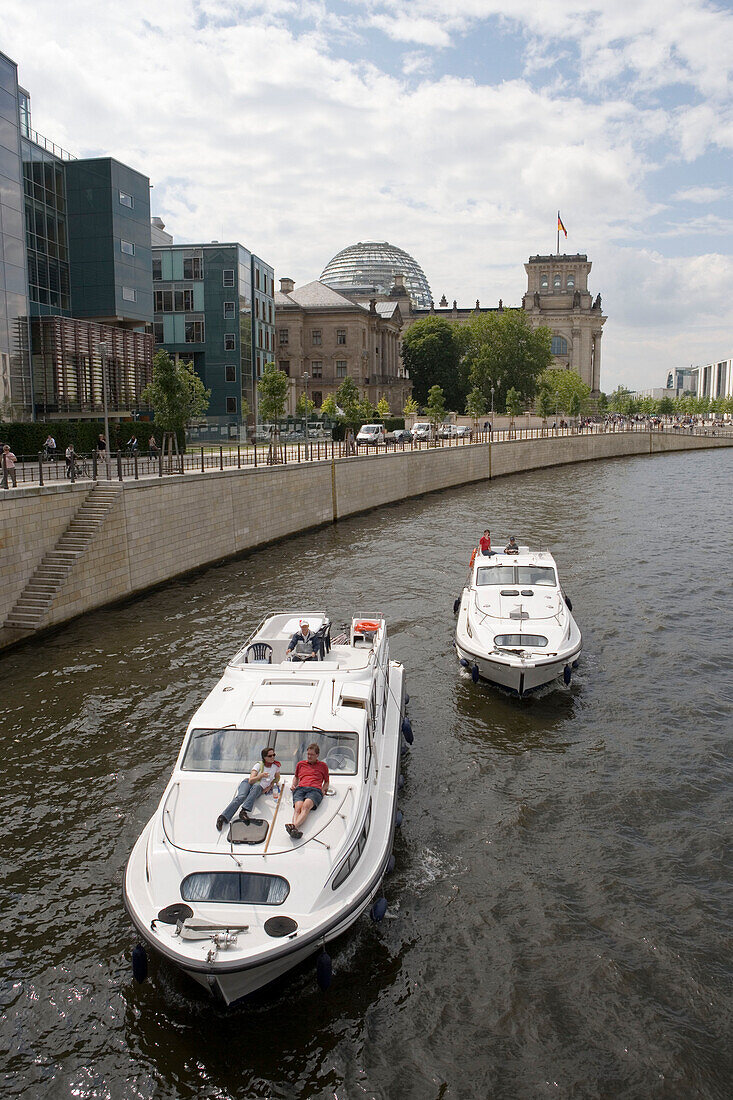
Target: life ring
{"x":473,"y":558}
{"x":366,"y":627}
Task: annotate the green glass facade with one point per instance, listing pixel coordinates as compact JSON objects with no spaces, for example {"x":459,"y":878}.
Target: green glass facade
{"x":214,"y":306}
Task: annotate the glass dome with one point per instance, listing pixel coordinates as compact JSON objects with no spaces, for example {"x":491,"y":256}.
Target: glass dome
{"x":374,"y":264}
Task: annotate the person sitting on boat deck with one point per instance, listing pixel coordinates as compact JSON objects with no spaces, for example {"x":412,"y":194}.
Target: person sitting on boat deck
{"x":309,"y":785}
{"x":485,"y":544}
{"x":512,"y":547}
{"x":302,"y":645}
{"x":263,"y":776}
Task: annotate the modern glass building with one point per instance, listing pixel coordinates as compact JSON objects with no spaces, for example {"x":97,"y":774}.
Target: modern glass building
{"x":371,"y":267}
{"x":214,"y":306}
{"x":74,"y":245}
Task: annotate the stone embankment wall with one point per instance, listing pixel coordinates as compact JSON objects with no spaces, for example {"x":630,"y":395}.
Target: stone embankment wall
{"x":161,"y":528}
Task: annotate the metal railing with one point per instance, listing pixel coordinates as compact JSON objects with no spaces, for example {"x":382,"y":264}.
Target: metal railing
{"x":123,"y":466}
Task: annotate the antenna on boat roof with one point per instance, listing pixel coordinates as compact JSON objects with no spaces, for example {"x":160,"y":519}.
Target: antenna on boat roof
{"x":333,"y":694}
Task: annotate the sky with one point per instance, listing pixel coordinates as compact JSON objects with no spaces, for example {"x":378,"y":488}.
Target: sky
{"x":455,"y":131}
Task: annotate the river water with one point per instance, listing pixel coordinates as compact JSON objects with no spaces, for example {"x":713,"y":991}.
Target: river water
{"x":560,"y":916}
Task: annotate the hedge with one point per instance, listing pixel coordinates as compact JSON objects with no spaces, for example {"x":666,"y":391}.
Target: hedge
{"x":28,"y":439}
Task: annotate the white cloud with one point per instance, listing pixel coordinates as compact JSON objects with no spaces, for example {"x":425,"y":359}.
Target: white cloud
{"x":702,"y":194}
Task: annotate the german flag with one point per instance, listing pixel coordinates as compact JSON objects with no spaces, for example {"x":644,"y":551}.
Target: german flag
{"x":560,"y":226}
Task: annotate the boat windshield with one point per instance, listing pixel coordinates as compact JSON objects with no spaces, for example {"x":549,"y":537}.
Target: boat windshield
{"x":235,"y":750}
{"x":520,"y":640}
{"x":516,"y":574}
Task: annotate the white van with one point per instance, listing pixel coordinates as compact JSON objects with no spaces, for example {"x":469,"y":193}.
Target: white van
{"x":371,"y":433}
{"x":422,"y":431}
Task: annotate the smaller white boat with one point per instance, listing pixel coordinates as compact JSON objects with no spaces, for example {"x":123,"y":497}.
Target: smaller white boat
{"x":515,"y":625}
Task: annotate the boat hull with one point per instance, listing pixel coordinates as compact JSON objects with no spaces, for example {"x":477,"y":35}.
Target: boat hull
{"x":520,"y":678}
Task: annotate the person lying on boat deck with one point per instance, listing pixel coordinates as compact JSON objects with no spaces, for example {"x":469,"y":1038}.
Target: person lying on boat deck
{"x":309,"y":785}
{"x":302,"y":645}
{"x":263,"y":776}
{"x":512,"y":548}
{"x":485,"y":544}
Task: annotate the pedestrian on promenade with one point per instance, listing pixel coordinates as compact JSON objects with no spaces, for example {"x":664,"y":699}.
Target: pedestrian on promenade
{"x":49,"y":447}
{"x":101,"y":445}
{"x":9,"y":461}
{"x":70,"y":458}
{"x":153,"y":447}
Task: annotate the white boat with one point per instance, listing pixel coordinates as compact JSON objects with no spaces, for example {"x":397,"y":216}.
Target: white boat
{"x":239,"y":907}
{"x":515,"y":626}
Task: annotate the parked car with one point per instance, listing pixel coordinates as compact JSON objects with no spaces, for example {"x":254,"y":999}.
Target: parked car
{"x":463,"y":431}
{"x":422,"y":431}
{"x":399,"y":435}
{"x":446,"y":431}
{"x":371,"y":433}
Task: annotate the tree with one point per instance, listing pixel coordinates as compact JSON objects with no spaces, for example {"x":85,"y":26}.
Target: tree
{"x":273,"y":390}
{"x":329,"y":408}
{"x":621,"y":401}
{"x":666,"y":406}
{"x":176,"y":395}
{"x":347,"y":396}
{"x":567,"y":391}
{"x":366,"y":410}
{"x":476,"y":406}
{"x":411,"y":408}
{"x":431,"y":354}
{"x":545,"y":403}
{"x":383,"y":408}
{"x":435,"y":407}
{"x":504,"y":351}
{"x":514,"y":403}
{"x":304,"y":406}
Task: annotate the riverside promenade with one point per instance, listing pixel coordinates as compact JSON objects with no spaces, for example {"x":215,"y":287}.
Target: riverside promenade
{"x":69,"y":547}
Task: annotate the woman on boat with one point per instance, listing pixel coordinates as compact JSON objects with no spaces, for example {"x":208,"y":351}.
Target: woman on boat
{"x":262,"y":778}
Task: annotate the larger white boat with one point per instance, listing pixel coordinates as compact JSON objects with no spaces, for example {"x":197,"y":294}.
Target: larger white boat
{"x":515,"y":626}
{"x":237,"y":908}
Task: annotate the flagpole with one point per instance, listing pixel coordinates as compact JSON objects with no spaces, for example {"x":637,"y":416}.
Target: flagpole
{"x":558,"y":232}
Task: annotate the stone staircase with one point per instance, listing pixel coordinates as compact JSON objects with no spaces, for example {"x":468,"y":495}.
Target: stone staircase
{"x":39,"y":594}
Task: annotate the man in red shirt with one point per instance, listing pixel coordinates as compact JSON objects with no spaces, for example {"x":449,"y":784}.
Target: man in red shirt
{"x":309,"y":785}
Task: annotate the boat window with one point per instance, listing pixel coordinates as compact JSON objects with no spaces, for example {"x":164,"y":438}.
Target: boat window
{"x":536,"y":574}
{"x":495,"y":574}
{"x":235,"y":887}
{"x":355,"y":854}
{"x":522,"y":640}
{"x":235,"y":750}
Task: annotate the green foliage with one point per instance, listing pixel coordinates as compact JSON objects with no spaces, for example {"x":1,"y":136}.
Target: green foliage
{"x":347,"y":396}
{"x":28,"y":438}
{"x":602,"y":402}
{"x":567,"y":392}
{"x":476,"y":404}
{"x":435,"y":406}
{"x":431,"y":353}
{"x":329,"y":408}
{"x":176,"y":394}
{"x":503,"y":350}
{"x":621,"y":401}
{"x":545,"y":403}
{"x":383,"y":408}
{"x":514,"y":402}
{"x":411,"y":407}
{"x":665,"y":406}
{"x":273,"y":391}
{"x":367,"y":412}
{"x":304,"y":406}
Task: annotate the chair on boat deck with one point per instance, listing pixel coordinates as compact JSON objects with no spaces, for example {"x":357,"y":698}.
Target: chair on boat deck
{"x":259,"y":653}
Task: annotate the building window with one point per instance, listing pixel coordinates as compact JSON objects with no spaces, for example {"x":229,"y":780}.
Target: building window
{"x":557,"y":282}
{"x":257,"y":278}
{"x":194,"y":330}
{"x":317,"y":370}
{"x":229,"y":311}
{"x":158,"y":332}
{"x":340,"y":368}
{"x":231,"y":404}
{"x":257,"y":308}
{"x":340,"y":335}
{"x":229,"y":341}
{"x":543,"y":283}
{"x":127,"y":247}
{"x":163,"y":301}
{"x":284,"y":366}
{"x":182,"y":299}
{"x":129,"y":294}
{"x":317,"y":398}
{"x":571,"y":282}
{"x":157,"y":268}
{"x":317,"y":336}
{"x":269,"y":311}
{"x":228,"y":277}
{"x":559,"y":345}
{"x":283,"y":336}
{"x":192,"y":267}
{"x":230,"y":373}
{"x":125,"y":199}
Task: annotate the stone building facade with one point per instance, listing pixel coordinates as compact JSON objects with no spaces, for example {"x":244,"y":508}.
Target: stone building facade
{"x":321,"y":332}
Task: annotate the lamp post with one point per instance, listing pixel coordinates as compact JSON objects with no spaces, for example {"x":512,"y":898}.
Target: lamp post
{"x":305,"y":406}
{"x":103,"y":356}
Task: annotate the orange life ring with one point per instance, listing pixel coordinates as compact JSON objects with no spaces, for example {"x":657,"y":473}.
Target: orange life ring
{"x":473,"y":558}
{"x":366,"y":627}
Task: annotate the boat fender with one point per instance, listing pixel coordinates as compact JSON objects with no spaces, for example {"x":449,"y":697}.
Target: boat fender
{"x":407,"y":698}
{"x":403,"y":749}
{"x":400,"y":782}
{"x":575,"y":664}
{"x":390,"y":865}
{"x":324,"y":970}
{"x":407,"y":731}
{"x":473,"y":558}
{"x":474,"y":674}
{"x":567,"y":674}
{"x":139,"y":963}
{"x":569,"y":602}
{"x":465,"y":662}
{"x":398,"y":819}
{"x":378,"y":910}
{"x":456,"y":605}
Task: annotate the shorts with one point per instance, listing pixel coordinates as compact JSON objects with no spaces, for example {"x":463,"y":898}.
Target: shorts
{"x":314,"y":793}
